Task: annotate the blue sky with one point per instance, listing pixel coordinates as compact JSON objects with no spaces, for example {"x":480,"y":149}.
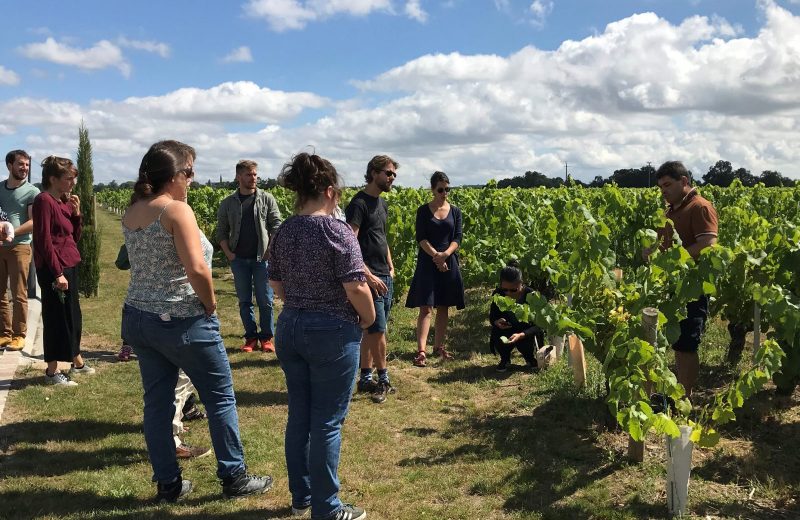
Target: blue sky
{"x":480,"y":89}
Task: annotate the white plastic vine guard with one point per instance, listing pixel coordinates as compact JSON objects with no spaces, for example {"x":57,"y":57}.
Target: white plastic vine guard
{"x":679,"y":465}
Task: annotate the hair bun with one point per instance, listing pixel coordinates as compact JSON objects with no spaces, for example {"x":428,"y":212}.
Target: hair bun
{"x":513,"y":262}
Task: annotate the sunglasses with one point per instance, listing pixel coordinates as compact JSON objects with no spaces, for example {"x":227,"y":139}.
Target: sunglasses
{"x":443,"y":190}
{"x":188,"y":172}
{"x":389,"y":173}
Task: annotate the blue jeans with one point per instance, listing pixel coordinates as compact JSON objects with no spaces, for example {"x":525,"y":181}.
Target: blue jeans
{"x":250,"y":275}
{"x":195,"y":345}
{"x":383,"y":305}
{"x":319,"y":356}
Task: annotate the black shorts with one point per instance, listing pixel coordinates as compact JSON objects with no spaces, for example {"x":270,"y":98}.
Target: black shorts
{"x":693,"y":326}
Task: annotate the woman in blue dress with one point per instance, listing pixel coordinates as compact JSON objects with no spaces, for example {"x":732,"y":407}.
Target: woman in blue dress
{"x":437,"y":279}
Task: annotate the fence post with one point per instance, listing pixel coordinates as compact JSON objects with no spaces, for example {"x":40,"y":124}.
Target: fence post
{"x":650,"y":325}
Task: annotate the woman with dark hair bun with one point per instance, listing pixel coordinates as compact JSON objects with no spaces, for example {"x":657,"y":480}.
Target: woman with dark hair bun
{"x":56,"y":230}
{"x":317,"y":269}
{"x":523,"y":336}
{"x":170,"y":319}
{"x":437,"y":279}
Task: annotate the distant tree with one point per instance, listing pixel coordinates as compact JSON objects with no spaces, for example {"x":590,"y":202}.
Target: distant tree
{"x":634,"y":177}
{"x":720,"y":174}
{"x":531,"y":180}
{"x":745,"y":177}
{"x":772,"y":179}
{"x":598,"y":182}
{"x":89,"y":244}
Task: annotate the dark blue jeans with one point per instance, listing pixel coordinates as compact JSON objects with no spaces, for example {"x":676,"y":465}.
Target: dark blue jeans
{"x":250,"y":276}
{"x":195,"y":345}
{"x":319,"y":356}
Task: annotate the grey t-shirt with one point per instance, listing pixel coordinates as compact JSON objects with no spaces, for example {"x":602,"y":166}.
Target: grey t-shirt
{"x":15,"y":203}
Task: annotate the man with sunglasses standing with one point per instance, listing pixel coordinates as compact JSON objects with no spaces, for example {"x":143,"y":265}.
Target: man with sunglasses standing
{"x":367,"y":214}
{"x":245,"y":222}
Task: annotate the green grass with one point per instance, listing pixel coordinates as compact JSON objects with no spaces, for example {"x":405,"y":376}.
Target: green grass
{"x":458,"y":441}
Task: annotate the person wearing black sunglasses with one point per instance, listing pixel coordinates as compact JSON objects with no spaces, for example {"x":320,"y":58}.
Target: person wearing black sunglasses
{"x":367,"y":214}
{"x":523,"y":336}
{"x":437,"y":279}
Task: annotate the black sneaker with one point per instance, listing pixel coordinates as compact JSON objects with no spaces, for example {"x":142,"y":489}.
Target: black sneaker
{"x":173,"y":491}
{"x":244,"y":485}
{"x":381,"y":391}
{"x":349,"y":512}
{"x":502,"y":366}
{"x":366,"y":386}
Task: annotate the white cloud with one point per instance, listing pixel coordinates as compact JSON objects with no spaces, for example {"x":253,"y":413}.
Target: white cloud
{"x":642,"y":89}
{"x":540,"y":10}
{"x":162,"y":49}
{"x":101,"y":55}
{"x":284,"y":15}
{"x":239,"y":55}
{"x":414,"y":11}
{"x":8,"y":76}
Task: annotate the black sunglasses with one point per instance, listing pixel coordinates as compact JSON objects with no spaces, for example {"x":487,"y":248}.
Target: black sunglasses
{"x":188,"y":172}
{"x":389,"y":173}
{"x":443,"y":190}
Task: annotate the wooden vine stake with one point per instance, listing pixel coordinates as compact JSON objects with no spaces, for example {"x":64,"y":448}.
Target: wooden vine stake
{"x":756,"y":328}
{"x":577,"y":359}
{"x":650,"y":325}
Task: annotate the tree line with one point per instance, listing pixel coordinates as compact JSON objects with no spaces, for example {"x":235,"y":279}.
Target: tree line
{"x":719,"y":174}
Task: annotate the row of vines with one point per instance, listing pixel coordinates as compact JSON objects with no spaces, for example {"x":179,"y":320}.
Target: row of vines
{"x":574,"y":238}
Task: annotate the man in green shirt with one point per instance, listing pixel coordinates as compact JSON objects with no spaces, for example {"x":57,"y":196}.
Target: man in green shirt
{"x":16,"y":199}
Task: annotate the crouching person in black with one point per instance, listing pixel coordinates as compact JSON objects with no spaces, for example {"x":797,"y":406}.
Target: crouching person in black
{"x":524,"y":336}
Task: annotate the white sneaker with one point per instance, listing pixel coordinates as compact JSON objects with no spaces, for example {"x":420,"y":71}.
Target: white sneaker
{"x":301,"y":512}
{"x":84,"y":370}
{"x":58,"y":379}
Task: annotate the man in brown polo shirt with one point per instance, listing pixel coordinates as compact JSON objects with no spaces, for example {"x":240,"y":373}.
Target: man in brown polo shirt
{"x":695,"y":220}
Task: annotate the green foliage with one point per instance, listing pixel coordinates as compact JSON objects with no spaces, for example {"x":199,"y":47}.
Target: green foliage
{"x":574,"y":238}
{"x":89,"y":244}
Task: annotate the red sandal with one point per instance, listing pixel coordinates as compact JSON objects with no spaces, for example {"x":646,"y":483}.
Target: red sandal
{"x":442,"y":353}
{"x":420,"y":360}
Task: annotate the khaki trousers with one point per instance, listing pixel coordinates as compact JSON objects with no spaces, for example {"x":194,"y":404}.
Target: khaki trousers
{"x":14,"y":265}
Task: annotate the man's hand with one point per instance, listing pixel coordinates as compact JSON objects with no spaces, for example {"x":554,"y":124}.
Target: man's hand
{"x":391,"y":272}
{"x":376,"y":284}
{"x":230,"y":255}
{"x":516,"y":337}
{"x":502,"y":323}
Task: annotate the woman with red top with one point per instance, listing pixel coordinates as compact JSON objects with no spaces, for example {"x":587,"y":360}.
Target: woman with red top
{"x":56,"y":230}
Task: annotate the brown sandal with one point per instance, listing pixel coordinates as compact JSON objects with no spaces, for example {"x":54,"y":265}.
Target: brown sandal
{"x":442,"y":353}
{"x":420,"y":360}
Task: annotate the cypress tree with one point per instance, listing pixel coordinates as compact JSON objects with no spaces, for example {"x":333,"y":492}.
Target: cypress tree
{"x":89,"y":244}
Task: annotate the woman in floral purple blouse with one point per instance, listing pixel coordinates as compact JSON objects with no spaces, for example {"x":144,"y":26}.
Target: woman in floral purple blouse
{"x":316,"y":268}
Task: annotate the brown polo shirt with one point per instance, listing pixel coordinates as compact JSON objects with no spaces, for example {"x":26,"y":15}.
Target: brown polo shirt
{"x":693,"y":218}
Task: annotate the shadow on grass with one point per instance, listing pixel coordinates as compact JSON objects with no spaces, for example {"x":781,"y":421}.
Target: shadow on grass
{"x":767,"y":462}
{"x":57,"y":503}
{"x":474,"y":374}
{"x":750,"y":510}
{"x":558,"y":455}
{"x":265,"y":398}
{"x":78,"y":430}
{"x":39,"y":462}
{"x":255,"y":361}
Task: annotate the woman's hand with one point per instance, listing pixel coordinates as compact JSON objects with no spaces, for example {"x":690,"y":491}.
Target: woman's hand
{"x":61,"y":283}
{"x":210,"y":309}
{"x":75,"y":202}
